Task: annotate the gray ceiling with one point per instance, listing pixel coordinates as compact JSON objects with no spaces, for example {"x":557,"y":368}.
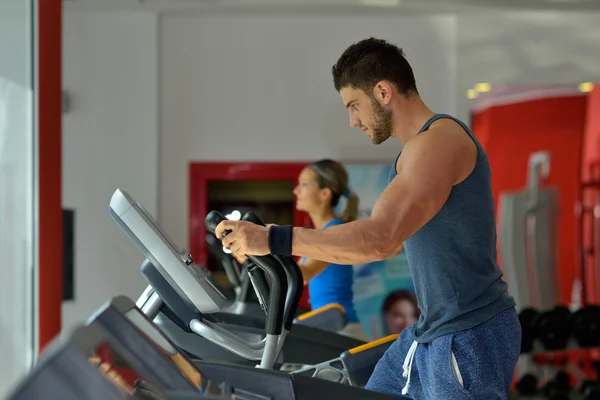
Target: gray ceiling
{"x":400,"y":6}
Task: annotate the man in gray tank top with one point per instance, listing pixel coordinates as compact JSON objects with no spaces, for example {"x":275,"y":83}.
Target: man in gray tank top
{"x":439,"y":207}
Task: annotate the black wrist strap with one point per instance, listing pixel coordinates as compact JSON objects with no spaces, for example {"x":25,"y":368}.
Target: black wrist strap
{"x":280,"y":240}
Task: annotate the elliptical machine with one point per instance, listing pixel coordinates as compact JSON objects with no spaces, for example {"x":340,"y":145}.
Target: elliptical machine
{"x":246,"y":301}
{"x":187,"y":306}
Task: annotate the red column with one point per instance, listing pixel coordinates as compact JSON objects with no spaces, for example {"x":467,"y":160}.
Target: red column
{"x":49,"y":173}
{"x":590,"y":155}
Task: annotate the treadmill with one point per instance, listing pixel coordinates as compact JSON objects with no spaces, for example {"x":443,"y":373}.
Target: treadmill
{"x":186,"y":305}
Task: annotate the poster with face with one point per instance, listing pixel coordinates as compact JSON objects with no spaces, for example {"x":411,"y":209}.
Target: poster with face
{"x":384,"y":296}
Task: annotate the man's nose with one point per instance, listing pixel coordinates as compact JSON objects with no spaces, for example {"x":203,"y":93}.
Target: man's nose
{"x":354,"y":120}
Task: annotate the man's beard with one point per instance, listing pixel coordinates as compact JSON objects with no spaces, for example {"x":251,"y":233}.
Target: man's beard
{"x":383,"y":123}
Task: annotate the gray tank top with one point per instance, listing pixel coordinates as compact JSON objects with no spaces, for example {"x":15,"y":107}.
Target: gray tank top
{"x":453,"y":257}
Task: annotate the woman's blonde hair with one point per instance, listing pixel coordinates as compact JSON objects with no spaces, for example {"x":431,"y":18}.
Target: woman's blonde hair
{"x":333,"y":175}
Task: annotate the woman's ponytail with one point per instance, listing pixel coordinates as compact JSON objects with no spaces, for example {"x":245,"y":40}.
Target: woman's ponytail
{"x":333,"y":175}
{"x":350,"y":212}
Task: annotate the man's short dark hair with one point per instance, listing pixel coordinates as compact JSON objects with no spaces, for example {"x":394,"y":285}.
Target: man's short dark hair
{"x":371,"y":60}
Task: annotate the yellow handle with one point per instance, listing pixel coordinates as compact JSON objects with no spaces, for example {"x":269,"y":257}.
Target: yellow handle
{"x":372,"y":344}
{"x":190,"y":372}
{"x":320,"y":310}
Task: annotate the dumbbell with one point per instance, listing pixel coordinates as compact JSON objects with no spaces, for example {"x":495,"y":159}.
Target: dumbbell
{"x":558,"y":388}
{"x":528,"y":385}
{"x":527,"y":318}
{"x":592,"y":393}
{"x":585,"y":326}
{"x":590,"y":390}
{"x":553,"y":328}
{"x":552,"y":391}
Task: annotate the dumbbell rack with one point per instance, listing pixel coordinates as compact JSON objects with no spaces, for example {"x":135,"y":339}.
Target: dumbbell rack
{"x":576,"y":361}
{"x":587,"y":212}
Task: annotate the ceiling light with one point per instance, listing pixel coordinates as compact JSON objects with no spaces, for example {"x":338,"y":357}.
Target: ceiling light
{"x":483,"y":87}
{"x":586,"y":87}
{"x":471,"y":94}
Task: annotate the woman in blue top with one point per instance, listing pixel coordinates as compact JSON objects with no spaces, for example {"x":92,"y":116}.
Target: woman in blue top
{"x":321,"y":185}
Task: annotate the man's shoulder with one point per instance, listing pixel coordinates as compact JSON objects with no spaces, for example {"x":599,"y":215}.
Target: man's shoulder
{"x":444,"y":145}
{"x":445,"y":135}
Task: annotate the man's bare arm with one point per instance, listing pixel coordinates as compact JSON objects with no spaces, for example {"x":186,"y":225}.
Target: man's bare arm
{"x":431,"y":164}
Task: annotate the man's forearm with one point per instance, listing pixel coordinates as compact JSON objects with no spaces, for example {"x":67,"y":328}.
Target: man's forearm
{"x":355,"y":242}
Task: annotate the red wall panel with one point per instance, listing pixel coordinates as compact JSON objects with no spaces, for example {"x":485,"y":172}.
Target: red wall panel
{"x":510,"y":133}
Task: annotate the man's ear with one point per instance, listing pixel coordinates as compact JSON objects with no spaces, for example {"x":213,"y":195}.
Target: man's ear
{"x":383,"y":92}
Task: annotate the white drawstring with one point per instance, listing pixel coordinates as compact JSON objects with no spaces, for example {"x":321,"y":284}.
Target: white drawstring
{"x":408,"y":362}
{"x":407,"y":367}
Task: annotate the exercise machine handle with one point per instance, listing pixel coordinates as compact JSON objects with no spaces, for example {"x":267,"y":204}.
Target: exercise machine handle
{"x":259,"y":283}
{"x":212,"y":220}
{"x":295,"y":281}
{"x":216,"y":248}
{"x":331,"y":317}
{"x":274,"y":272}
{"x":360,"y":361}
{"x":232,"y":272}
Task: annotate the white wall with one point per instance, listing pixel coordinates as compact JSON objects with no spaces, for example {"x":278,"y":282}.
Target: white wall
{"x":17,"y":240}
{"x":251,"y":87}
{"x":256,"y":87}
{"x":110,"y":139}
{"x":526,"y":48}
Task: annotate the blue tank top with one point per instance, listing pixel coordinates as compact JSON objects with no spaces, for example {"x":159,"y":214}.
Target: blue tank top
{"x":453,"y":257}
{"x":334,"y":285}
